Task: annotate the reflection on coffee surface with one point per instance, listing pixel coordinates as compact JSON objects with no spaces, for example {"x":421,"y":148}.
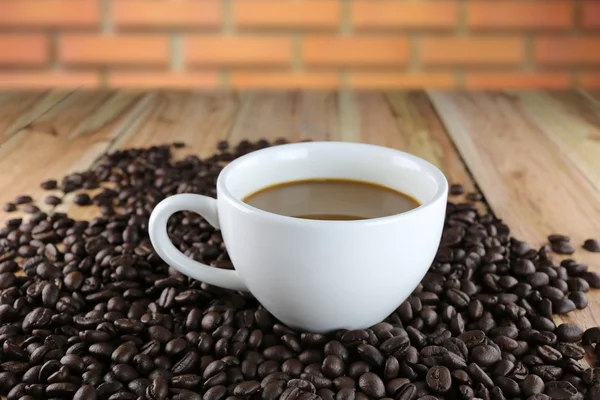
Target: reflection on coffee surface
{"x":331,"y":199}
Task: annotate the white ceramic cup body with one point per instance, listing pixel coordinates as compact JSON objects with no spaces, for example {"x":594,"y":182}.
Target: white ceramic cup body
{"x":319,"y":275}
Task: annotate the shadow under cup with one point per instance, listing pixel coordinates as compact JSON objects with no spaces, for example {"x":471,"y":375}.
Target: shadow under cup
{"x":322,"y":275}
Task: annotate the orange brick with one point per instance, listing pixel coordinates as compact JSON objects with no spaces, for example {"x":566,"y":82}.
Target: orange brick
{"x":589,"y":80}
{"x":355,"y":51}
{"x":557,"y":50}
{"x":166,"y":13}
{"x":117,"y":50}
{"x":365,"y":80}
{"x":283,"y":80}
{"x":388,"y":14}
{"x":489,"y":50}
{"x":48,"y":80}
{"x":49,"y":13}
{"x":184,"y":81}
{"x":502,"y":80}
{"x":235,"y":50}
{"x":517,"y":14}
{"x":23,"y":49}
{"x":591,"y":14}
{"x":286,"y":13}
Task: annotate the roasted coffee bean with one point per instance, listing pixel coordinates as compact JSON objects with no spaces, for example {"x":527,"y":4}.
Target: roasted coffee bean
{"x":560,"y":390}
{"x":188,"y":381}
{"x":406,"y":392}
{"x":485,"y":355}
{"x":570,"y":351}
{"x":579,"y":299}
{"x":332,"y":366}
{"x":478,"y":375}
{"x":50,"y":184}
{"x":372,"y":385}
{"x":8,"y":380}
{"x":302,"y":384}
{"x":563,"y":306}
{"x":86,"y":392}
{"x":371,"y":355}
{"x":23,"y":199}
{"x":591,"y":336}
{"x":438,"y":379}
{"x":82,"y":199}
{"x":548,"y":372}
{"x":570,"y":333}
{"x":532,"y":384}
{"x":117,"y":316}
{"x":433,"y":355}
{"x":247,"y":388}
{"x":395,"y":345}
{"x":509,"y":387}
{"x":63,"y":389}
{"x":456,"y":189}
{"x":52,"y":200}
{"x":271,"y":391}
{"x":592,"y":245}
{"x":474,"y":196}
{"x":549,"y":354}
{"x":9,"y":207}
{"x":158,"y":389}
{"x":593,"y":279}
{"x":562,"y":247}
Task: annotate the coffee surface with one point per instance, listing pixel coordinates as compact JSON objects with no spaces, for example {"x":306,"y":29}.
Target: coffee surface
{"x":331,"y":199}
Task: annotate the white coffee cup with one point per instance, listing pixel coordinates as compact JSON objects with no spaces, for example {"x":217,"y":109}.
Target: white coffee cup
{"x":316,"y":275}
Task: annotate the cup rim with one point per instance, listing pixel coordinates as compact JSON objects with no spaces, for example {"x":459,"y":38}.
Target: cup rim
{"x":223,"y":192}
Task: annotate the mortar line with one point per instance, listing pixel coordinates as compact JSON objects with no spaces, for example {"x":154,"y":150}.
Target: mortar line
{"x":297,"y":61}
{"x":528,"y":63}
{"x":460,"y":77}
{"x":176,"y":50}
{"x":106,"y":23}
{"x":346,"y":26}
{"x":462,"y":29}
{"x":227,"y":23}
{"x":53,"y":51}
{"x":414,"y":53}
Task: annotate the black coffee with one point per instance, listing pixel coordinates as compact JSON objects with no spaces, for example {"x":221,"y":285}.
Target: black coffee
{"x":331,"y":199}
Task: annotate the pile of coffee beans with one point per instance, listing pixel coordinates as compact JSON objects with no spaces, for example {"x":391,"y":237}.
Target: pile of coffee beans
{"x":98,"y":315}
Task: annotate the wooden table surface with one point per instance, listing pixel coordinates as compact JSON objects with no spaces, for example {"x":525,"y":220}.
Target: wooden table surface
{"x":534,"y":155}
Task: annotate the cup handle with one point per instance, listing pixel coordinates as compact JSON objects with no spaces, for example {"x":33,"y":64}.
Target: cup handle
{"x":207,"y":208}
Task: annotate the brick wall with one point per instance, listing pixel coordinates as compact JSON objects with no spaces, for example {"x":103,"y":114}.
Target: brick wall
{"x":313,"y":44}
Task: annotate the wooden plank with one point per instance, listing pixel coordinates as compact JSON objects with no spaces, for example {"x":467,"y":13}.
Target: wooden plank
{"x":47,"y":149}
{"x":292,"y":115}
{"x":18,"y":109}
{"x":199,"y":120}
{"x":573,"y":122}
{"x":405,"y":121}
{"x":527,"y":179}
{"x":592,"y":95}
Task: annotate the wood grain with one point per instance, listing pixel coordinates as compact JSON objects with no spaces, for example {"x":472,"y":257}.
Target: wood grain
{"x":573,"y":122}
{"x":404,"y":121}
{"x":17,"y":109}
{"x":527,"y":179}
{"x":199,"y":120}
{"x":592,"y":95}
{"x":47,"y":148}
{"x":531,"y":153}
{"x":294,"y":116}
